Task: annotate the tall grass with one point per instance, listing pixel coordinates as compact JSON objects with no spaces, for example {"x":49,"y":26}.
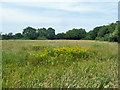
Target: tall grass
{"x":98,"y":71}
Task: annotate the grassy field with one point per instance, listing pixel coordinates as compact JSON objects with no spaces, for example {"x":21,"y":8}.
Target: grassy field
{"x":98,"y":69}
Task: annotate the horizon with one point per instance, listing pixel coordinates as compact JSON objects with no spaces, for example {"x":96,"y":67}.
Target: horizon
{"x":55,"y":29}
{"x":61,"y":16}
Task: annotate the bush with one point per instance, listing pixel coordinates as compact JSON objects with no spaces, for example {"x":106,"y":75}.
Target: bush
{"x":106,"y":37}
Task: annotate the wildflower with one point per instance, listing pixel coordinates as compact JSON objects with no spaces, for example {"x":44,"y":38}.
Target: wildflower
{"x":48,"y":60}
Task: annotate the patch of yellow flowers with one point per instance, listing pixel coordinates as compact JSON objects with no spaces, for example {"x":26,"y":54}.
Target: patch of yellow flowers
{"x":54,"y":55}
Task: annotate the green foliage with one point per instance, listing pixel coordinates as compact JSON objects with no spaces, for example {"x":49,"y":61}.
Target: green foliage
{"x":106,"y":37}
{"x":50,"y":33}
{"x":106,"y":33}
{"x":61,"y":36}
{"x":30,"y":33}
{"x":102,"y":31}
{"x":42,"y":32}
{"x":94,"y":32}
{"x":76,"y":34}
{"x":88,"y":36}
{"x":18,"y":36}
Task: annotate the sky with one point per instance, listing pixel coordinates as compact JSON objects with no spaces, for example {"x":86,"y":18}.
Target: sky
{"x":60,"y":15}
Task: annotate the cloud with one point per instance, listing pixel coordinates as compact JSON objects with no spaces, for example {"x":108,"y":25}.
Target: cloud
{"x":16,"y":15}
{"x":69,"y":6}
{"x":59,"y":15}
{"x":73,"y":6}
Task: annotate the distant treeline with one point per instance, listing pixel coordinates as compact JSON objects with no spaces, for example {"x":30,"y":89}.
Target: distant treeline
{"x":103,"y":33}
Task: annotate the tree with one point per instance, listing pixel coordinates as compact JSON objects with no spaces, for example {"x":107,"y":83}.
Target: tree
{"x":76,"y":34}
{"x":10,"y":35}
{"x":94,"y":33}
{"x":60,"y":36}
{"x":42,"y":32}
{"x":114,"y":36}
{"x":89,"y":36}
{"x":50,"y":33}
{"x":102,"y":31}
{"x":5,"y":37}
{"x":30,"y":33}
{"x":18,"y":36}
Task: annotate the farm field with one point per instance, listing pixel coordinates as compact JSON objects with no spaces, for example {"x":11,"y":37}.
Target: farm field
{"x":59,"y":64}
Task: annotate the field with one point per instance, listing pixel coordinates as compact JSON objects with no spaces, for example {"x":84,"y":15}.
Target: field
{"x":50,"y":64}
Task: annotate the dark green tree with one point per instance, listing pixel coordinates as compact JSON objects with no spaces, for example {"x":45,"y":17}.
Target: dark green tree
{"x":76,"y":34}
{"x":30,"y":33}
{"x":50,"y":33}
{"x":42,"y":32}
{"x":60,"y":36}
{"x":18,"y":36}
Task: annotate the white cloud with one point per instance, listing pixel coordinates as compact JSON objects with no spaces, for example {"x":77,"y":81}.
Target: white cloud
{"x":71,"y":6}
{"x":94,"y":7}
{"x":16,"y":15}
{"x":55,"y":18}
{"x":21,"y":15}
{"x":61,"y":6}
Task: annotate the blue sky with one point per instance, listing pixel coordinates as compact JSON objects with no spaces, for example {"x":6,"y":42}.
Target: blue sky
{"x":62,"y":16}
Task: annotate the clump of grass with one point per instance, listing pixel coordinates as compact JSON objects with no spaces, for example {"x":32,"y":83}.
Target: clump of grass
{"x":38,"y":47}
{"x":56,"y":55}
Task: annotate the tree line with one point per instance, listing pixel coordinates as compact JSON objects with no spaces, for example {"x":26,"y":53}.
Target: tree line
{"x":103,"y":33}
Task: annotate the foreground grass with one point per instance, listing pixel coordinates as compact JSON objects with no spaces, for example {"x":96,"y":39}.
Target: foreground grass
{"x":99,"y":71}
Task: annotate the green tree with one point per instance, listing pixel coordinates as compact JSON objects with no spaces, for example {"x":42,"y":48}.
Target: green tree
{"x":30,"y":33}
{"x":60,"y":36}
{"x":102,"y":31}
{"x":50,"y":33}
{"x":42,"y":32}
{"x":18,"y":36}
{"x":114,"y":36}
{"x":76,"y":34}
{"x":94,"y":33}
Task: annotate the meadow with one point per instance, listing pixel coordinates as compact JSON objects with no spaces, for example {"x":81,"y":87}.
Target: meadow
{"x":59,"y":64}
